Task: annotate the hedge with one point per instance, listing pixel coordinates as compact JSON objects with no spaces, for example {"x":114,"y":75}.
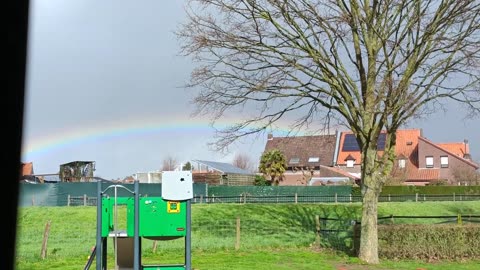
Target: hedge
{"x":429,"y":242}
{"x":428,"y":190}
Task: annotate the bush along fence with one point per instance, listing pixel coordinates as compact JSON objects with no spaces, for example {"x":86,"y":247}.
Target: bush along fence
{"x":401,"y":237}
{"x":423,"y":241}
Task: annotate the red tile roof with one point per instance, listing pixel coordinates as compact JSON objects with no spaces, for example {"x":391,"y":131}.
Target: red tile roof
{"x":457,"y":148}
{"x":423,"y":174}
{"x":406,"y":144}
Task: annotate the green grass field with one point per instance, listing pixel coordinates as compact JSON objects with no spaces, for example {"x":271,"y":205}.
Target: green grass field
{"x":273,"y":236}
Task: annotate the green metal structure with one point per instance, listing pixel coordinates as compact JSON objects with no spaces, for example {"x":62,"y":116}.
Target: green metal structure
{"x":157,"y":218}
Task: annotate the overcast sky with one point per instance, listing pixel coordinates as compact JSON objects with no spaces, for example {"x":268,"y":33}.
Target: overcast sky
{"x":104,"y":84}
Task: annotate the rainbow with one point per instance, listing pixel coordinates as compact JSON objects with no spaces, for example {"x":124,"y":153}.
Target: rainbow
{"x":140,"y":126}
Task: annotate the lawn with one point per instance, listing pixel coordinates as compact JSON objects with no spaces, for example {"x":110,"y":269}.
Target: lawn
{"x":273,"y":236}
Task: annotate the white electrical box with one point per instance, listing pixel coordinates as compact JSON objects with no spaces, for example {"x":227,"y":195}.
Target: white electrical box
{"x":177,"y":185}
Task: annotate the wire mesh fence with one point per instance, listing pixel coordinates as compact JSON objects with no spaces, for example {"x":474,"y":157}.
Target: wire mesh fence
{"x":295,"y":198}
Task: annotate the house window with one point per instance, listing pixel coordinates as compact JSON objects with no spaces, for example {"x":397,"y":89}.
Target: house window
{"x":401,"y":163}
{"x":294,"y":160}
{"x":350,"y":163}
{"x":313,"y":159}
{"x":429,"y":162}
{"x":444,"y":161}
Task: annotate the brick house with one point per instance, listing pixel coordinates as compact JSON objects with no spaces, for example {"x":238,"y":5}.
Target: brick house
{"x":309,"y":159}
{"x":418,"y":160}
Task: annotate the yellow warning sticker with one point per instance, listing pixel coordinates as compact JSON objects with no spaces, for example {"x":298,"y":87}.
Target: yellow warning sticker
{"x":173,"y":207}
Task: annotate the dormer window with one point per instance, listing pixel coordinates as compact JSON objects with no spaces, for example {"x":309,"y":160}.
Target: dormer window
{"x":402,"y":161}
{"x":294,"y":160}
{"x":350,"y":161}
{"x":313,"y":159}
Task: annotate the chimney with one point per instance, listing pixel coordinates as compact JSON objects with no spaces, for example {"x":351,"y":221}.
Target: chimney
{"x":270,"y":136}
{"x":466,"y":153}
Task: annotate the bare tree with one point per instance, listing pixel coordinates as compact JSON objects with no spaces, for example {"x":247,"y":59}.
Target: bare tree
{"x":307,"y":174}
{"x":169,"y":163}
{"x":243,"y":161}
{"x":464,"y":176}
{"x":368,"y":65}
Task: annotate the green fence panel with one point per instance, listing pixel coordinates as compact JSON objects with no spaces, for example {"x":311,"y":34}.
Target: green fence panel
{"x":427,"y":190}
{"x":433,"y":190}
{"x":37,"y":194}
{"x":279,"y":190}
{"x":58,"y":194}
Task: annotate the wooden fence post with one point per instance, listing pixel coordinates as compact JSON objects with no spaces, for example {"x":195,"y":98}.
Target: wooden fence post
{"x":317,"y":227}
{"x":45,"y":240}
{"x":154,"y":248}
{"x":237,"y":241}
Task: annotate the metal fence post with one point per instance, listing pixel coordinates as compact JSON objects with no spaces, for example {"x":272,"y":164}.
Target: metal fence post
{"x":416,"y":197}
{"x":68,"y":200}
{"x":84,"y":199}
{"x":336,"y":199}
{"x":296,"y":197}
{"x":454,"y":196}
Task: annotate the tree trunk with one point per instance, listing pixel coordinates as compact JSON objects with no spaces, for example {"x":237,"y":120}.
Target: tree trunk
{"x":369,"y":235}
{"x":371,"y":187}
